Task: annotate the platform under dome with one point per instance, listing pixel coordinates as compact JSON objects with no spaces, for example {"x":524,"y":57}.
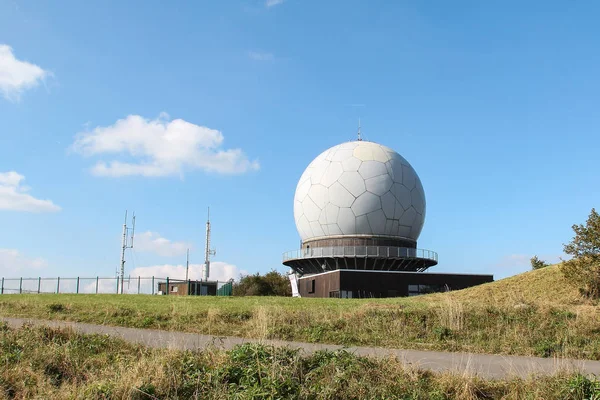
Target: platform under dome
{"x":359,"y":205}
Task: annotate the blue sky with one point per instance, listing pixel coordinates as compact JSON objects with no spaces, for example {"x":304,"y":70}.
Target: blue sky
{"x":493,"y":103}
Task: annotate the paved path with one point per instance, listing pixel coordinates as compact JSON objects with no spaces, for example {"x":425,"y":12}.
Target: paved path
{"x":484,"y":365}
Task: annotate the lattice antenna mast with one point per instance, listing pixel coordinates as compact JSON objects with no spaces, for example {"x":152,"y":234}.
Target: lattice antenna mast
{"x":126,"y":243}
{"x":359,"y":137}
{"x":208,"y":251}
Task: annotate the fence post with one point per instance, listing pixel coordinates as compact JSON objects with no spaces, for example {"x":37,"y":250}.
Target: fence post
{"x":96,"y":285}
{"x":139,"y":282}
{"x":21,"y":285}
{"x":58,"y":285}
{"x":167,"y":287}
{"x":117,"y":285}
{"x":2,"y":286}
{"x":152,"y":285}
{"x":39,"y":284}
{"x":77,"y":290}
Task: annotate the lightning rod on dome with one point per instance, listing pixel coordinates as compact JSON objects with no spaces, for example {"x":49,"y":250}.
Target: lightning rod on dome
{"x":359,"y":138}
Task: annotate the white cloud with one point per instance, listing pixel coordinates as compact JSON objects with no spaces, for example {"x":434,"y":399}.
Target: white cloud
{"x":152,"y":242}
{"x":515,"y":260}
{"x":272,"y":3}
{"x":15,"y":264}
{"x":220,"y":271}
{"x":261,"y":56}
{"x":14,"y":196}
{"x":514,"y":264}
{"x":160,"y":147}
{"x":16,"y":76}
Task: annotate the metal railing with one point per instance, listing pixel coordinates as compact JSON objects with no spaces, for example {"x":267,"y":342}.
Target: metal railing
{"x":79,"y":285}
{"x":360,"y":251}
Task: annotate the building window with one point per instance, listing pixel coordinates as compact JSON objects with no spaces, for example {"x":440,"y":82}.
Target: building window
{"x":174,"y":289}
{"x":415,"y":290}
{"x":311,"y":286}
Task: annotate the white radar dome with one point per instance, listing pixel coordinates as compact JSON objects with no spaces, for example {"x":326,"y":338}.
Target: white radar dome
{"x":359,"y":188}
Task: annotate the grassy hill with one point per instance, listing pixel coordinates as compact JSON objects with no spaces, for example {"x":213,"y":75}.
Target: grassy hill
{"x":535,"y":313}
{"x":545,"y":286}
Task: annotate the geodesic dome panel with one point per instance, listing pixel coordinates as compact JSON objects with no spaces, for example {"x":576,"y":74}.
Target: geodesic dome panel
{"x":359,"y":188}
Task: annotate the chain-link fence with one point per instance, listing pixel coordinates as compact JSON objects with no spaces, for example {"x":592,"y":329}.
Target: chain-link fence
{"x":98,"y":285}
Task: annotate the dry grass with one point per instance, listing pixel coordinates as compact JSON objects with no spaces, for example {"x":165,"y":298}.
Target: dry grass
{"x":451,"y":313}
{"x":60,"y":364}
{"x":536,"y":313}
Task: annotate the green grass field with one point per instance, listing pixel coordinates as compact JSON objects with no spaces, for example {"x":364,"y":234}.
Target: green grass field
{"x":536,"y":313}
{"x":48,"y":363}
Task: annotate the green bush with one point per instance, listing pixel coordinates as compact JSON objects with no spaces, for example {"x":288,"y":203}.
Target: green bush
{"x":271,"y":284}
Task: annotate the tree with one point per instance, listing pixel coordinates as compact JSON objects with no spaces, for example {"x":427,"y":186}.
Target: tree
{"x":536,"y":263}
{"x":280,"y":283}
{"x":584,"y":268}
{"x":271,"y":284}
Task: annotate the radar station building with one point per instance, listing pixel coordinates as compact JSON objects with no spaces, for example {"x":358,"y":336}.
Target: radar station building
{"x":359,"y":208}
{"x":175,"y":287}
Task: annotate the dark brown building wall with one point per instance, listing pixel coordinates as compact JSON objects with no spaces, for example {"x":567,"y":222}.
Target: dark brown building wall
{"x":182,"y":288}
{"x":319,"y":285}
{"x":384,"y":284}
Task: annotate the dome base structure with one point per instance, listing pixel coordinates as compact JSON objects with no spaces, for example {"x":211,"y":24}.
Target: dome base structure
{"x":314,"y":260}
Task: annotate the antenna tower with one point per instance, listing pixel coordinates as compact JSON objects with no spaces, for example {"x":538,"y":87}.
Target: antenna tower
{"x":127,"y":243}
{"x":187,"y":265}
{"x":208,"y":251}
{"x":359,"y":138}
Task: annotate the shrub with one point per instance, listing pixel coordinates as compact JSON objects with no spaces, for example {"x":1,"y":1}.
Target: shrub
{"x":584,"y":268}
{"x":271,"y":284}
{"x":536,"y":263}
